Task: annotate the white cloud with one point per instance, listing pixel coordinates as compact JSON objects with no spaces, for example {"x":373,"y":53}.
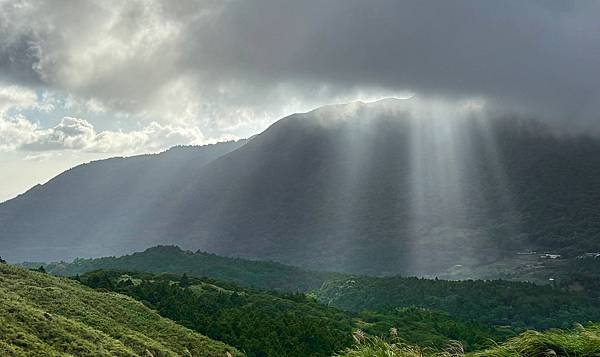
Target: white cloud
{"x":153,"y":137}
{"x":17,"y":97}
{"x":18,"y":133}
{"x":70,"y":133}
{"x":42,"y":156}
{"x":15,"y":131}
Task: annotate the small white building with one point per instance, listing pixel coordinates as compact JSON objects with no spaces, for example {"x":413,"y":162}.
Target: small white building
{"x":529,"y":252}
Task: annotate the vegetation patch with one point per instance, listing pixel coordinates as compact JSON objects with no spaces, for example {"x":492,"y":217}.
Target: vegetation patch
{"x":45,"y":315}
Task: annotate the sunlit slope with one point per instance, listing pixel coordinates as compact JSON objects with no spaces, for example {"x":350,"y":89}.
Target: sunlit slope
{"x":370,"y":188}
{"x":579,"y":342}
{"x":45,"y":315}
{"x":102,"y":207}
{"x":365,"y":188}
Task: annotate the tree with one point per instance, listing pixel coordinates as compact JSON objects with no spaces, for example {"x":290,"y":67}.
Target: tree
{"x":184,"y":282}
{"x":123,"y":284}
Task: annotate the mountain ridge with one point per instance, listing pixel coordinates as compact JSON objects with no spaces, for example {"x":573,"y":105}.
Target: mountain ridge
{"x":333,"y":188}
{"x":174,"y":260}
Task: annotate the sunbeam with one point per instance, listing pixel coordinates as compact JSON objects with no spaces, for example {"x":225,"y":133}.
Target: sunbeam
{"x":451,"y":154}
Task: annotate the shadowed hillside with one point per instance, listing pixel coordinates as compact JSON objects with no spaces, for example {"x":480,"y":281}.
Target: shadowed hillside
{"x":102,"y":207}
{"x":496,"y":302}
{"x":372,"y":188}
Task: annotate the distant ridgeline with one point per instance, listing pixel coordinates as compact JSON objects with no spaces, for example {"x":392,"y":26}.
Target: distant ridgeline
{"x":172,"y":259}
{"x":356,"y":188}
{"x":493,"y":303}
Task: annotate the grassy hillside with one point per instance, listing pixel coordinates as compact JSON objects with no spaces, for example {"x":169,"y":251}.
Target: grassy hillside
{"x":578,"y":342}
{"x":45,"y":315}
{"x":171,"y":259}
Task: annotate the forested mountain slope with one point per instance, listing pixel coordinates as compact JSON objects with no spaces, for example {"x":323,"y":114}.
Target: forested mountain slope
{"x":363,"y":188}
{"x":493,"y":302}
{"x":86,"y":211}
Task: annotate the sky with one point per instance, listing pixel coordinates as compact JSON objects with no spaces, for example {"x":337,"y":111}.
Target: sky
{"x":85,"y":80}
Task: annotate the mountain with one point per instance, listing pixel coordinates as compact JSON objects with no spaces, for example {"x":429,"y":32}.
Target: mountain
{"x":46,"y":315}
{"x":376,"y":188}
{"x":85,"y":210}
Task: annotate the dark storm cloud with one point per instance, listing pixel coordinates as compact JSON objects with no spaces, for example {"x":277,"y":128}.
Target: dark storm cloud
{"x":537,"y":56}
{"x":17,"y":60}
{"x":544,"y":54}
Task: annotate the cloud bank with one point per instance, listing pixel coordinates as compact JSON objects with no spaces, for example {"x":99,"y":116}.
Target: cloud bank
{"x":235,"y":66}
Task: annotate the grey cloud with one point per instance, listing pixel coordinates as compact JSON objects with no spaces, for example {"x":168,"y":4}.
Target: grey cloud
{"x":17,"y":59}
{"x":542,"y":54}
{"x":228,"y":60}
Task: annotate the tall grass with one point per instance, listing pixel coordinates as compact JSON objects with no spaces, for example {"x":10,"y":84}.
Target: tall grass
{"x":578,"y":342}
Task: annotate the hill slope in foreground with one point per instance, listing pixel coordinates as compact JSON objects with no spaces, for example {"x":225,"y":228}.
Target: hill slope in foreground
{"x":45,"y":315}
{"x":579,"y":342}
